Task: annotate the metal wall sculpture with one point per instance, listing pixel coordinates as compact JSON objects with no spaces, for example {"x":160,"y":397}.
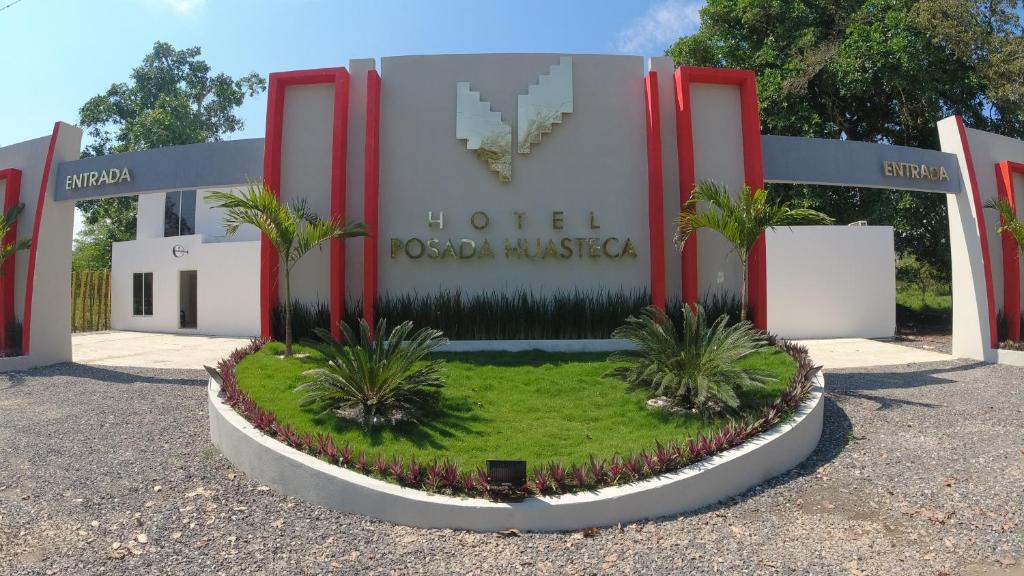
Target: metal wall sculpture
{"x":544,"y":104}
{"x":483,"y":130}
{"x":539,"y":110}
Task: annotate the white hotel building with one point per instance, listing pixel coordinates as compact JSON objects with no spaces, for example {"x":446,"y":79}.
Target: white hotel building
{"x":182,"y":274}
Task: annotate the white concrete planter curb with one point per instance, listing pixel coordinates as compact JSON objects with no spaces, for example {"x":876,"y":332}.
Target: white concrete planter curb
{"x":1009,"y":357}
{"x":732,"y":472}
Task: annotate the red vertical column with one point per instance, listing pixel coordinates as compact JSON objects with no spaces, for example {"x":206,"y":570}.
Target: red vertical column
{"x":753,"y":176}
{"x":371,"y":197}
{"x":979,"y":216}
{"x":1011,"y":252}
{"x":339,"y":176}
{"x":26,"y":329}
{"x":269,"y":261}
{"x":655,"y":191}
{"x":687,"y":181}
{"x":753,"y":172}
{"x":12,"y":195}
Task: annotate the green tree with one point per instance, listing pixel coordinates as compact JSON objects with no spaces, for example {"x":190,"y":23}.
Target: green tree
{"x":741,"y":221}
{"x":172,"y":98}
{"x":872,"y":70}
{"x":293,"y":229}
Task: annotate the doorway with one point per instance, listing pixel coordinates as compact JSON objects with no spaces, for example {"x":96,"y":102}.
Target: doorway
{"x":188,"y":299}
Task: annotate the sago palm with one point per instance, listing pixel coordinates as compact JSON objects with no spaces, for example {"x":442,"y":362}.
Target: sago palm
{"x":7,"y":249}
{"x":1008,"y":221}
{"x":293,"y":229}
{"x":377,"y":374}
{"x":697,"y":365}
{"x":741,"y":221}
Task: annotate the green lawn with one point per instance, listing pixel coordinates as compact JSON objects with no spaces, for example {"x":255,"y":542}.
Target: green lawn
{"x":535,"y":406}
{"x":932,"y":302}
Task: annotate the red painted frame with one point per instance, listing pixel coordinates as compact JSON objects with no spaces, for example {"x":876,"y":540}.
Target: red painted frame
{"x":1011,"y":252}
{"x":44,"y":182}
{"x":371,"y":196}
{"x":979,"y":216}
{"x":269,"y":264}
{"x":655,"y":190}
{"x":753,"y":173}
{"x":12,"y":196}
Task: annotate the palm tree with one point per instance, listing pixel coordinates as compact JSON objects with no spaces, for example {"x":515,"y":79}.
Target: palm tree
{"x":740,"y":221}
{"x":1008,"y":221}
{"x":7,"y":249}
{"x":293,"y":229}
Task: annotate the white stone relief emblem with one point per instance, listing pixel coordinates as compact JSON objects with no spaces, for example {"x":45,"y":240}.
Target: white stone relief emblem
{"x":544,"y":105}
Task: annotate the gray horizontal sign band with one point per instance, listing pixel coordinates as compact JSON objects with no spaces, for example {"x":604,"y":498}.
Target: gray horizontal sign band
{"x":863,"y":164}
{"x":161,"y":169}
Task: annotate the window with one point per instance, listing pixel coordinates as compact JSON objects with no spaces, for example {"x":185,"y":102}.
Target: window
{"x":180,"y":213}
{"x":142,"y":294}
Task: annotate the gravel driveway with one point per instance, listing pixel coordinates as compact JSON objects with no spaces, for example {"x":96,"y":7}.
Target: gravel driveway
{"x":111,"y":471}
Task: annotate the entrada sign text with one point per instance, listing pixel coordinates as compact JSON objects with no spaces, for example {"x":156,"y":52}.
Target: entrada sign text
{"x":915,"y":171}
{"x":98,"y":178}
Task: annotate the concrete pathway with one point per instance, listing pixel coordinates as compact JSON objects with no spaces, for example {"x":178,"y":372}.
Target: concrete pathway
{"x":148,"y":350}
{"x":840,"y":353}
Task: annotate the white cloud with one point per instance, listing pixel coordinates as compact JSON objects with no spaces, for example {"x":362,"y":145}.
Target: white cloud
{"x":660,"y":26}
{"x":181,"y":6}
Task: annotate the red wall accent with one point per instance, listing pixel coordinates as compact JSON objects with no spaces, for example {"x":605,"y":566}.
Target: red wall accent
{"x":687,"y":180}
{"x":753,"y":172}
{"x":12,"y":196}
{"x":655,"y":191}
{"x":1011,"y":252}
{"x":269,"y":264}
{"x":979,"y":215}
{"x":371,"y":196}
{"x":44,"y":181}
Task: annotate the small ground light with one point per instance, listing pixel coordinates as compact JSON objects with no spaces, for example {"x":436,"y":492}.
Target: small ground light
{"x":506,"y":479}
{"x":214,"y":374}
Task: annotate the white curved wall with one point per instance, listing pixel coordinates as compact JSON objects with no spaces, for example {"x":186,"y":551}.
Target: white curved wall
{"x":303,"y":476}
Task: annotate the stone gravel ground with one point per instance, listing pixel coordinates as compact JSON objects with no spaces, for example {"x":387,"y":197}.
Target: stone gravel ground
{"x":110,"y":471}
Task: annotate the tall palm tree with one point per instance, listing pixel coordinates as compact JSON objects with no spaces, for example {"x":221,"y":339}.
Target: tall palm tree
{"x":7,"y":249}
{"x":293,"y":229}
{"x":740,"y":221}
{"x":1008,"y":221}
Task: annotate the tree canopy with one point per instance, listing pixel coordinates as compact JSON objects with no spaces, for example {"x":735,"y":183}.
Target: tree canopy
{"x":877,"y":71}
{"x":172,"y":98}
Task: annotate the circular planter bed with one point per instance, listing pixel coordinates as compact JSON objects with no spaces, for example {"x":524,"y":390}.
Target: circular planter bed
{"x":661,"y":480}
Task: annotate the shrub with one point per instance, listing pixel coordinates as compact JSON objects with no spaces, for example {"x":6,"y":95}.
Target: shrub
{"x":698,"y":365}
{"x":513,"y":315}
{"x":516,"y":314}
{"x":377,"y":375}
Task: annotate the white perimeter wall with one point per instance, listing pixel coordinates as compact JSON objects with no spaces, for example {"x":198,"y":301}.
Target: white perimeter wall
{"x":832,"y":282}
{"x":228,"y":285}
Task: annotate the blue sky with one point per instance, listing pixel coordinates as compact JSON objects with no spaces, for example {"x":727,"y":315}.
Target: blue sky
{"x":55,"y":54}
